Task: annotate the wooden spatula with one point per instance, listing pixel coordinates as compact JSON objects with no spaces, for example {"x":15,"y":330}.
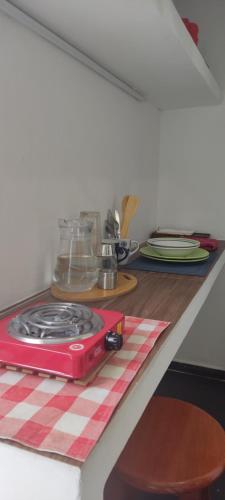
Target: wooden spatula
{"x":123,"y":206}
{"x":130,"y":208}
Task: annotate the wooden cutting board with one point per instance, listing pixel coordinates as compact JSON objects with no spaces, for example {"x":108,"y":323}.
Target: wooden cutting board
{"x":87,"y":379}
{"x":125,"y":284}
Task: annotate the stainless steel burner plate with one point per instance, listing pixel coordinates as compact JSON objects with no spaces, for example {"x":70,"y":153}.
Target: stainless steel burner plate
{"x":55,"y":323}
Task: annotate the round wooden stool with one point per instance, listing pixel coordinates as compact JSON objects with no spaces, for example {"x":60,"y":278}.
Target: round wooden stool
{"x":176,"y":449}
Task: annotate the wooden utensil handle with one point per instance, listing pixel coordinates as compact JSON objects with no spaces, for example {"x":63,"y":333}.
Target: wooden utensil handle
{"x":129,"y":212}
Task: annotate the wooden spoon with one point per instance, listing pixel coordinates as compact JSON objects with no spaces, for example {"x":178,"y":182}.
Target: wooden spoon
{"x":123,"y":206}
{"x":129,"y":212}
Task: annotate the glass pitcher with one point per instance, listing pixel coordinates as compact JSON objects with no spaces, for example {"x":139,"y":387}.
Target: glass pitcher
{"x":77,"y":267}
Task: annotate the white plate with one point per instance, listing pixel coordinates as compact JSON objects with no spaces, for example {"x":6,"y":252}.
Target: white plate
{"x":178,"y":243}
{"x":173,"y":247}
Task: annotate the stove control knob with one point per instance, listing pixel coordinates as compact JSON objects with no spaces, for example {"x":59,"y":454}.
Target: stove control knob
{"x":113,"y":341}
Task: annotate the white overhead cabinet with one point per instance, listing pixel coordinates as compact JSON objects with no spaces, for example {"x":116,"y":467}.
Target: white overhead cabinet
{"x":141,"y":43}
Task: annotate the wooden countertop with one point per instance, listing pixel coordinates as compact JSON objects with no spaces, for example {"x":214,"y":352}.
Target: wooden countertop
{"x":158,"y":296}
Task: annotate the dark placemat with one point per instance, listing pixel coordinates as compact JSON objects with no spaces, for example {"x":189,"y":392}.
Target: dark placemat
{"x":189,"y":268}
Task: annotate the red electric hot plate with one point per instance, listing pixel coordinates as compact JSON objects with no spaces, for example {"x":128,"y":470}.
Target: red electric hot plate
{"x":62,"y":339}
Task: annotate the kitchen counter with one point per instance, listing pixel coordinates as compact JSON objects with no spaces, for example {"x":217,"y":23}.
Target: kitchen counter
{"x":168,"y":297}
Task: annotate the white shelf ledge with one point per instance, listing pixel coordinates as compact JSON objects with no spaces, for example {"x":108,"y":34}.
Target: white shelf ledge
{"x":142,"y":46}
{"x":39,"y":28}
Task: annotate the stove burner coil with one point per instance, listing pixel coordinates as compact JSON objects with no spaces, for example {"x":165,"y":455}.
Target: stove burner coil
{"x":55,"y":323}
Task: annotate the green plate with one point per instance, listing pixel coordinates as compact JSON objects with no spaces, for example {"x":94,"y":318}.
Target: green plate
{"x":198,"y":255}
{"x":177,"y":261}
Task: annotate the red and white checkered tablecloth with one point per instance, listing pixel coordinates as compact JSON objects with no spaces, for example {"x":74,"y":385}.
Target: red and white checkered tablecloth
{"x":65,"y":418}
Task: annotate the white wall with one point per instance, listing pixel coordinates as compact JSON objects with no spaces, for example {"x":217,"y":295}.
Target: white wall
{"x":69,"y":141}
{"x":192,"y":169}
{"x":191,"y":195}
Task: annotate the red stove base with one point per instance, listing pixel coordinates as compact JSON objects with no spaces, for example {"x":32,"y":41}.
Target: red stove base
{"x":73,"y":360}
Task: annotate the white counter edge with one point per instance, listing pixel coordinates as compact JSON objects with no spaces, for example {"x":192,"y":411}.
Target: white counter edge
{"x":28,"y":476}
{"x":99,"y":465}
